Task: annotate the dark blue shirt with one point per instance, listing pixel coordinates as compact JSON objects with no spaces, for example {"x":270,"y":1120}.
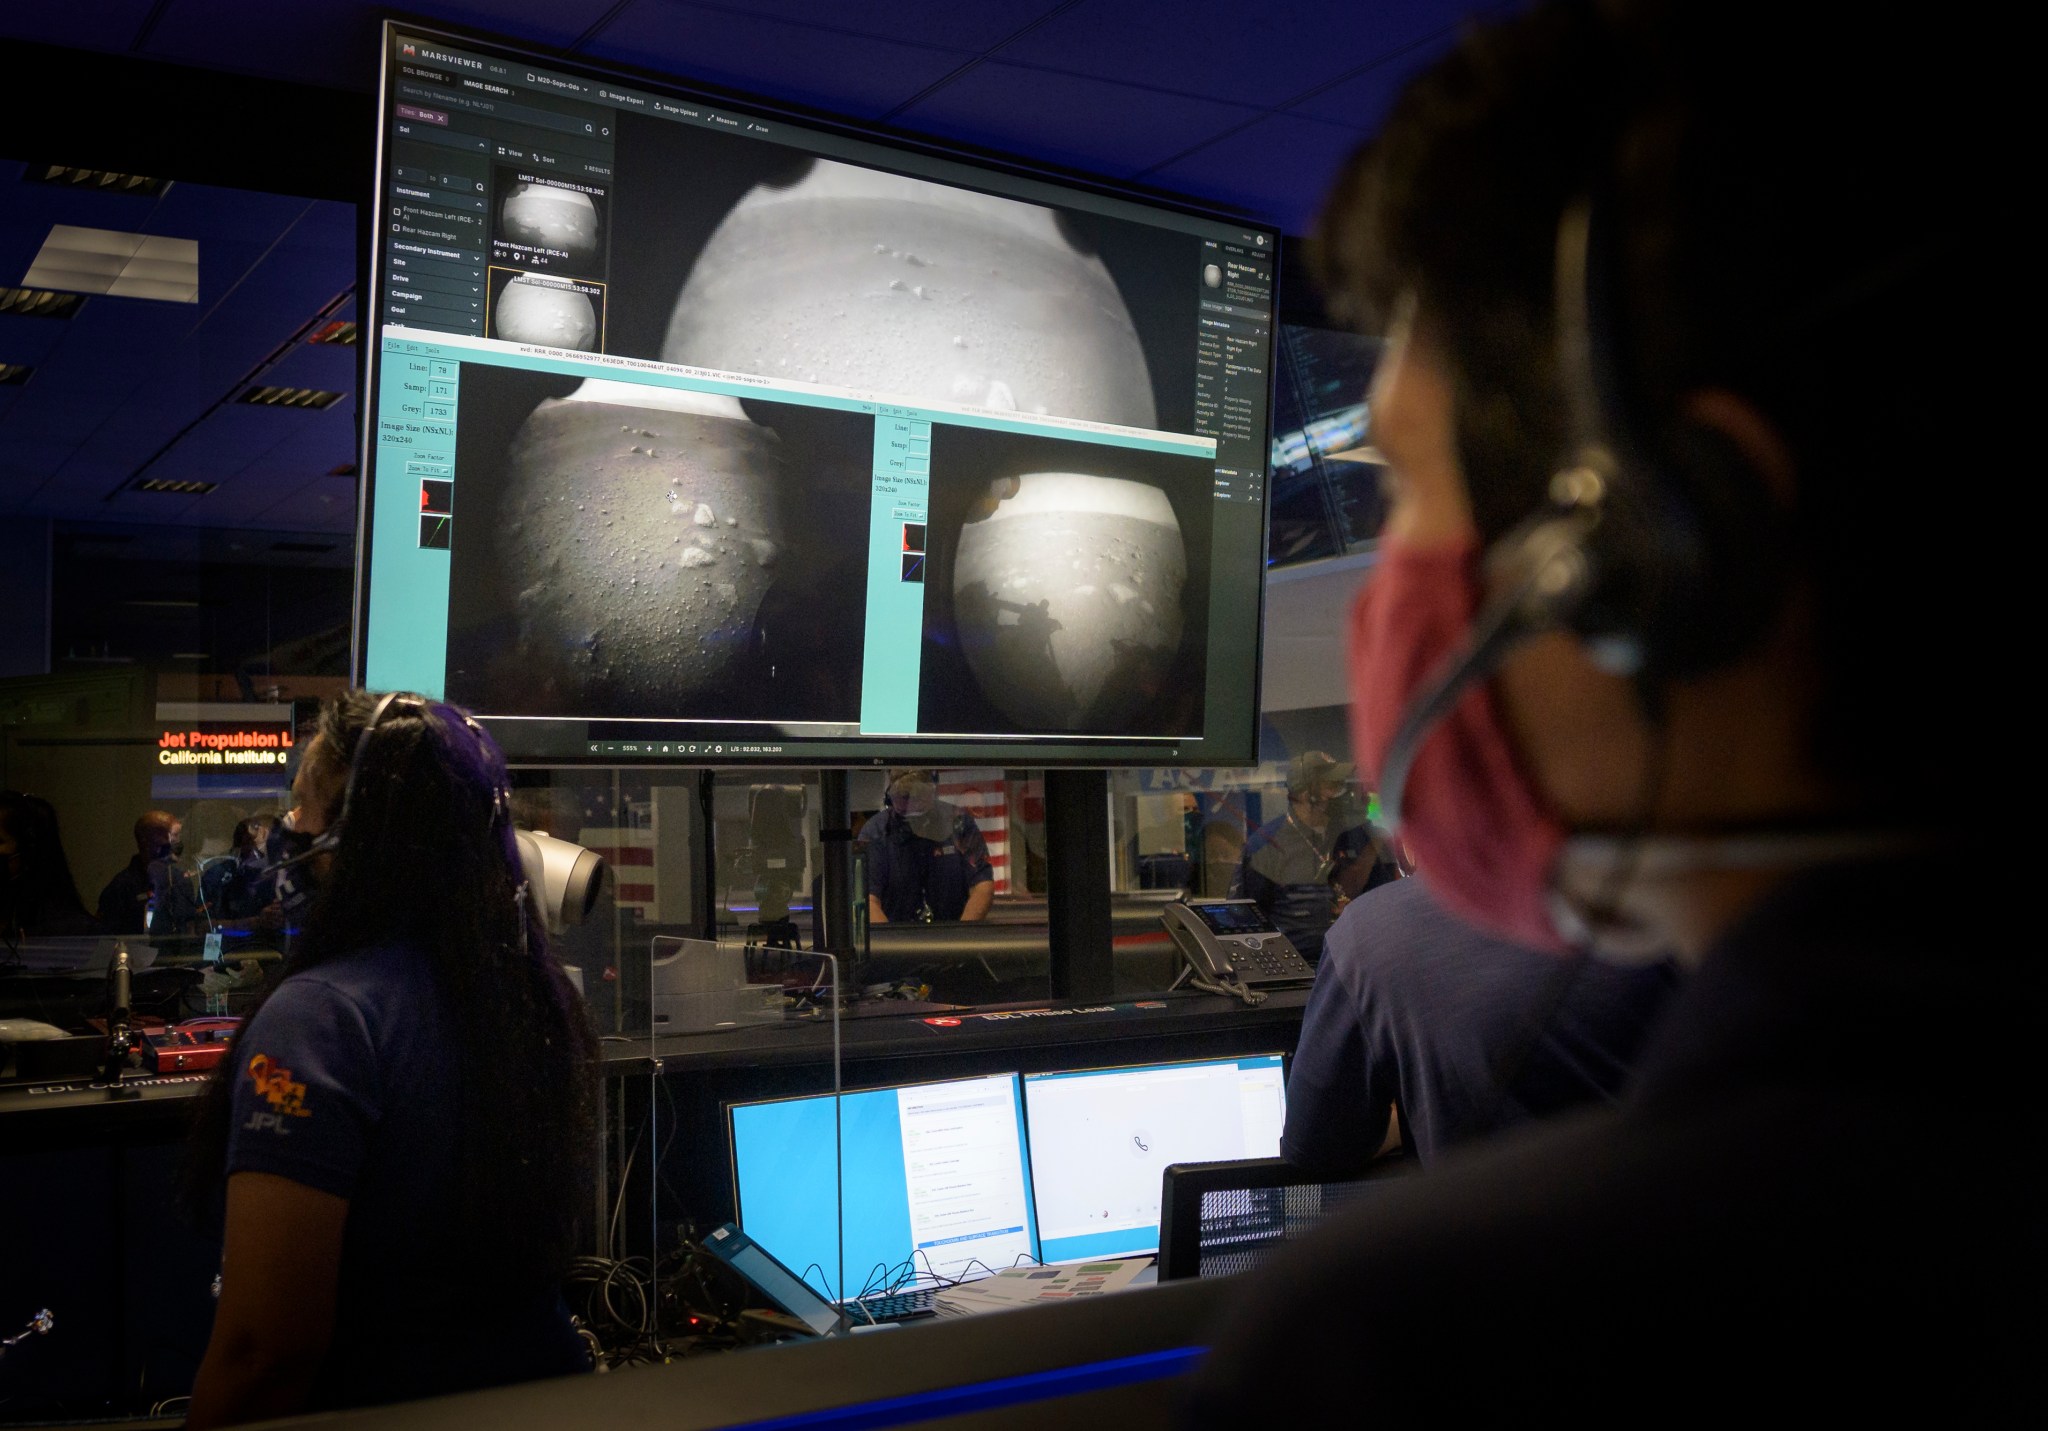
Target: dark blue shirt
{"x":237,"y":887}
{"x":1291,"y":873}
{"x":1466,"y":1033}
{"x":909,"y":872}
{"x":346,"y":1082}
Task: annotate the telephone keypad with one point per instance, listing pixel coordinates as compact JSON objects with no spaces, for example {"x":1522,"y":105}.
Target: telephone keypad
{"x":1269,"y":959}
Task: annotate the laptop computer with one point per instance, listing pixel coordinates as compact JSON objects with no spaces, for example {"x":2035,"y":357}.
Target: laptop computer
{"x":792,"y":1296}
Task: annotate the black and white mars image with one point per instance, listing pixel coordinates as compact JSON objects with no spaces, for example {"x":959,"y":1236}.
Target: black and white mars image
{"x":548,"y":224}
{"x":541,"y":309}
{"x":856,"y":278}
{"x":1073,"y":593}
{"x":637,"y":551}
{"x":815,"y":271}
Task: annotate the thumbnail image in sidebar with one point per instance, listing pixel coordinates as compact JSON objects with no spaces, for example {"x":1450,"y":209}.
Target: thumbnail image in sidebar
{"x":539,"y":308}
{"x":548,"y":224}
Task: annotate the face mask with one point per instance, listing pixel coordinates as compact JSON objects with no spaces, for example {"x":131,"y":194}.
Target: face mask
{"x":296,"y":882}
{"x":1470,"y":815}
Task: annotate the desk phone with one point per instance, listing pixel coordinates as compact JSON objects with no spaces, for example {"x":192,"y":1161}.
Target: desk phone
{"x":1232,"y":941}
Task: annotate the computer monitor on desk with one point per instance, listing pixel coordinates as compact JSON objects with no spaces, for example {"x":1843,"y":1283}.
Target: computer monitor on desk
{"x":1101,"y":1138}
{"x":931,"y":1183}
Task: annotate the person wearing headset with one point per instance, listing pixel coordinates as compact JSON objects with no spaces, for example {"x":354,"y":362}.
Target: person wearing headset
{"x":926,"y":858}
{"x":1631,"y":670}
{"x":406,"y":1123}
{"x":1319,"y":854}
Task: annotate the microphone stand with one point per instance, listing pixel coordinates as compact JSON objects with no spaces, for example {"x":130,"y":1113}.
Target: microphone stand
{"x":120,"y":1037}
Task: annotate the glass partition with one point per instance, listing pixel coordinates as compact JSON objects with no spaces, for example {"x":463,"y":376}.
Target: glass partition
{"x":1325,"y":474}
{"x":1299,"y":834}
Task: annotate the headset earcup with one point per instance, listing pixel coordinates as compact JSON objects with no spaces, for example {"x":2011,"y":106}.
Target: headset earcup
{"x":1687,"y":560}
{"x":1718,"y":549}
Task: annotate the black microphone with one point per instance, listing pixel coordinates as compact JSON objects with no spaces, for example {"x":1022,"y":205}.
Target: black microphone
{"x":119,"y":1038}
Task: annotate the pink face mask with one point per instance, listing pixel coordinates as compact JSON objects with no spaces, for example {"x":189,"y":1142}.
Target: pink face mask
{"x":1469,"y":813}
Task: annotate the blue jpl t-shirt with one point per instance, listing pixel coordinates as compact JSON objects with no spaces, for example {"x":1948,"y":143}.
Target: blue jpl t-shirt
{"x":910,"y":872}
{"x":346,"y":1081}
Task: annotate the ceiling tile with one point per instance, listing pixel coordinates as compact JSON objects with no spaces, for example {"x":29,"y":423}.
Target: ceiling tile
{"x":35,"y":417}
{"x":130,"y":505}
{"x":854,"y":75}
{"x":1086,"y":124}
{"x":206,"y":211}
{"x":329,"y":366}
{"x":106,"y":25}
{"x":37,"y":455}
{"x":1224,"y":49}
{"x":553,"y":24}
{"x":1278,"y":168}
{"x":1362,"y":101}
{"x":332,"y":42}
{"x":326,"y":227}
{"x":950,"y":24}
{"x":30,"y":340}
{"x":320,"y":505}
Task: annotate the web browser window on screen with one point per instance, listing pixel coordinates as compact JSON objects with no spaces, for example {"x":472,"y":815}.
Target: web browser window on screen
{"x":1100,"y":1140}
{"x":931,"y":1178}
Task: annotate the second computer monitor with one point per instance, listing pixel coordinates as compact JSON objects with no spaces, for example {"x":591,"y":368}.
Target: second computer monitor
{"x":1100,"y":1139}
{"x":931,"y":1183}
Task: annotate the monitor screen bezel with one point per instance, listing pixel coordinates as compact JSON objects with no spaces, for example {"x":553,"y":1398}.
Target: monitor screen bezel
{"x":732,"y":1148}
{"x":1227,"y":748}
{"x":1286,"y":1061}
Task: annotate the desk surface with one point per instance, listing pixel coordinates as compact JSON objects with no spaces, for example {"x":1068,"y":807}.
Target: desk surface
{"x":86,"y":1109}
{"x":830,"y":1382}
{"x":927,"y":1032}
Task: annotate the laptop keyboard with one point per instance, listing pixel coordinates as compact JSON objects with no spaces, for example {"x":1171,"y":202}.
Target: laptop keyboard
{"x":893,"y":1306}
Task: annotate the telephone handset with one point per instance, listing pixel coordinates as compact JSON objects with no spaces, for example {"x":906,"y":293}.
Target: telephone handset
{"x":1230,"y":946}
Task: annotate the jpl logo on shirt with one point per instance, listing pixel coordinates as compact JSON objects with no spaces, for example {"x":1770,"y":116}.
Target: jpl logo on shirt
{"x":285,"y":1095}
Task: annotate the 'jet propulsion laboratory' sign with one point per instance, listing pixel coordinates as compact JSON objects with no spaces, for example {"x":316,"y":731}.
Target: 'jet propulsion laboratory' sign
{"x":222,"y":748}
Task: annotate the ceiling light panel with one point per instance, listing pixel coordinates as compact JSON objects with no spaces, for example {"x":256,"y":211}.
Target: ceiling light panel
{"x":290,"y":397}
{"x":120,"y":265}
{"x":99,"y":180}
{"x":39,"y":302}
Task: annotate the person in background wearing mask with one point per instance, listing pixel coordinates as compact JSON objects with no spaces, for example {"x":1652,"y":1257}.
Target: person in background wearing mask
{"x":1632,"y":669}
{"x":926,"y":858}
{"x":151,"y":876}
{"x":399,"y":1212}
{"x":1304,"y":867}
{"x":233,"y":884}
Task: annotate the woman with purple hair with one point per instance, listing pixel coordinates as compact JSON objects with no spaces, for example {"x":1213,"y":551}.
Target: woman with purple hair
{"x":400,"y":1205}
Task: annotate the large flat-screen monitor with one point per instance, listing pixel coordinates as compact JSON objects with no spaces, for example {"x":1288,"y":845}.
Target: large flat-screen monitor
{"x":943,"y":1181}
{"x":930,"y":1184}
{"x":1101,"y":1138}
{"x":701,"y":436}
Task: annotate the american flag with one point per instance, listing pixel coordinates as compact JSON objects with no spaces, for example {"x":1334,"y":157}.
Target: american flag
{"x":984,"y":795}
{"x":630,"y":853}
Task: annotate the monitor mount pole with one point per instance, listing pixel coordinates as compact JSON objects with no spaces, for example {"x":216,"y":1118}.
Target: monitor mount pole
{"x":1077,"y":884}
